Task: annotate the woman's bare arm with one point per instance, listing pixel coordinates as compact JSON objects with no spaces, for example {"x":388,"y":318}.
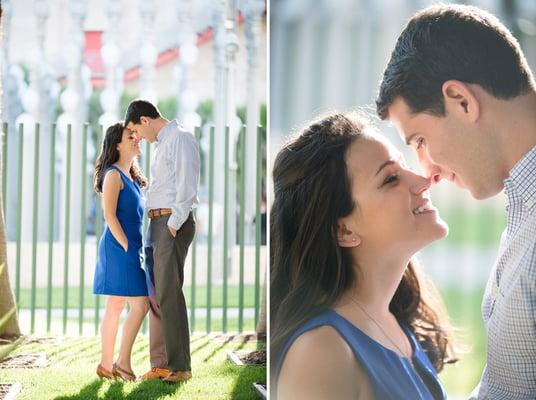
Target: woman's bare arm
{"x":110,"y":193}
{"x":320,"y":365}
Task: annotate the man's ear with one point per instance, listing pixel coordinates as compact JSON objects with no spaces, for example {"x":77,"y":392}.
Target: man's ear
{"x":459,"y":98}
{"x":144,"y":120}
{"x":345,"y":237}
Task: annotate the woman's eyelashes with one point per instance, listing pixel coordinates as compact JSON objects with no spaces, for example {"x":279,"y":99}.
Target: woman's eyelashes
{"x":392,"y":178}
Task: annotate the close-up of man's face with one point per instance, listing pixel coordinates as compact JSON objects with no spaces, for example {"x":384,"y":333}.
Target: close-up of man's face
{"x":446,"y":147}
{"x":141,"y":130}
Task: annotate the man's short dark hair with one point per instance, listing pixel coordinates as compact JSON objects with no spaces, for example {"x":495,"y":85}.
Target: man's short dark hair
{"x":140,"y":108}
{"x":457,"y":42}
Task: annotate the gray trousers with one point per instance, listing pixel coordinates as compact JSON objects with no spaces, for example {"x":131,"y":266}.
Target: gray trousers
{"x":169,"y":333}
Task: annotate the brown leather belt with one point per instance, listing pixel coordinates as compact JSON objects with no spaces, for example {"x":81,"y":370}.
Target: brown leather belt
{"x":158,"y":212}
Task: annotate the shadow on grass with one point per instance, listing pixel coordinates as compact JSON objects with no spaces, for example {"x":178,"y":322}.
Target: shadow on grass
{"x":200,"y":347}
{"x":217,"y":349}
{"x":243,"y":383}
{"x":196,"y":339}
{"x":144,"y":390}
{"x":247,"y":375}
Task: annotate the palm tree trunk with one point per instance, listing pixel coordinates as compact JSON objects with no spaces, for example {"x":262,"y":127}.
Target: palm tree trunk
{"x":7,"y":300}
{"x":261,"y":324}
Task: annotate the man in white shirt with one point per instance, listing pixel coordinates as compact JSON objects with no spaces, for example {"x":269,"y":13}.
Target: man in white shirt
{"x":171,"y":196}
{"x":459,"y":90}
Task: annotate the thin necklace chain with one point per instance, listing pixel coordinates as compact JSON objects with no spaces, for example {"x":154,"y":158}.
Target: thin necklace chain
{"x":404,"y":353}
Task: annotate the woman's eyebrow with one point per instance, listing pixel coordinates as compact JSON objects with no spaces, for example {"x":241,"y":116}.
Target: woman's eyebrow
{"x":385,"y":164}
{"x":399,"y":159}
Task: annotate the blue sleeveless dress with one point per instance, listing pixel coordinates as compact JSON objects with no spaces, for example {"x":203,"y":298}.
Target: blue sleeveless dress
{"x":391,"y":376}
{"x":119,"y":272}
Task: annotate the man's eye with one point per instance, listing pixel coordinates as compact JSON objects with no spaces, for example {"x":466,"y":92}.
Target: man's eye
{"x":391,"y":178}
{"x":419,"y":143}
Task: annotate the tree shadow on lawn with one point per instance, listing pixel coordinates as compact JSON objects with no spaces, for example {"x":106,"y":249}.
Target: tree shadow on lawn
{"x":248,"y":375}
{"x":153,"y":389}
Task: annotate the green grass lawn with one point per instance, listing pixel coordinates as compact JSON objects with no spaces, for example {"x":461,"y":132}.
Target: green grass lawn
{"x":197,"y":325}
{"x":73,"y":296}
{"x":464,"y":311}
{"x":70,"y":374}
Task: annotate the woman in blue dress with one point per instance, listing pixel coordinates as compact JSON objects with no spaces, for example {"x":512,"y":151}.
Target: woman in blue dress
{"x":351,"y":317}
{"x":119,"y":272}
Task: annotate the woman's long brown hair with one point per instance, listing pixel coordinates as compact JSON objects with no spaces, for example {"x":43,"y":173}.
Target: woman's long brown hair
{"x":309,"y":271}
{"x":109,"y":155}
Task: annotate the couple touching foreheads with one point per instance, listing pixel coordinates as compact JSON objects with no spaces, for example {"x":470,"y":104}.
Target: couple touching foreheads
{"x":169,"y":201}
{"x":351,"y":315}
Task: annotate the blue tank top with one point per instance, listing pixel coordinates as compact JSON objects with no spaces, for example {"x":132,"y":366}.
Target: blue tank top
{"x":391,"y":376}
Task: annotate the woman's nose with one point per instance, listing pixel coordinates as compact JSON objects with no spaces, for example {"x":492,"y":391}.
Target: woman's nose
{"x":420,"y":183}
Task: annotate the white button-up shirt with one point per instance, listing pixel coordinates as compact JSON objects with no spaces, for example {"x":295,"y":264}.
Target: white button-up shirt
{"x":509,"y":305}
{"x":174,"y":174}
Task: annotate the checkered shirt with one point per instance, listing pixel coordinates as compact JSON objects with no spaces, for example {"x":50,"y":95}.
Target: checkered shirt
{"x":509,"y":304}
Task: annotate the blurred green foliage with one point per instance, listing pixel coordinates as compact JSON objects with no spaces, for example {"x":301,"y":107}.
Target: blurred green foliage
{"x":464,"y":310}
{"x":481,"y":227}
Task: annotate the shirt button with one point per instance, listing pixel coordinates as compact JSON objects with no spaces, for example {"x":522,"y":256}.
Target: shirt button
{"x":529,"y":203}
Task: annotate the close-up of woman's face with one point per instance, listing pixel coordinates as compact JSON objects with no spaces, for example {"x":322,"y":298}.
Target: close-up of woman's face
{"x":393,"y":210}
{"x":129,"y":144}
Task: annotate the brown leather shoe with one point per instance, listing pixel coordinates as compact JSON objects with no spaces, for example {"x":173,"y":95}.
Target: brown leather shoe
{"x":123,"y":374}
{"x":155,"y":373}
{"x":178,"y":376}
{"x":104,"y":373}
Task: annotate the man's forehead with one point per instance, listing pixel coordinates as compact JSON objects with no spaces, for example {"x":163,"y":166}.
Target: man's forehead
{"x":399,"y":107}
{"x":400,"y":116}
{"x":131,"y":125}
{"x":401,"y":130}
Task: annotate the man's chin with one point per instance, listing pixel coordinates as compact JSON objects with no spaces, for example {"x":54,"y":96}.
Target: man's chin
{"x":458,"y":181}
{"x":484,"y":194}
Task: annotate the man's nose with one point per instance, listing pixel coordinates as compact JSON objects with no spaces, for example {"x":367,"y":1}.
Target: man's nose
{"x":432,"y":170}
{"x":435,"y":174}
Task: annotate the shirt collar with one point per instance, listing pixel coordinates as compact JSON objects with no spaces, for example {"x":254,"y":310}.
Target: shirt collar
{"x":521,"y":183}
{"x":166,"y":130}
